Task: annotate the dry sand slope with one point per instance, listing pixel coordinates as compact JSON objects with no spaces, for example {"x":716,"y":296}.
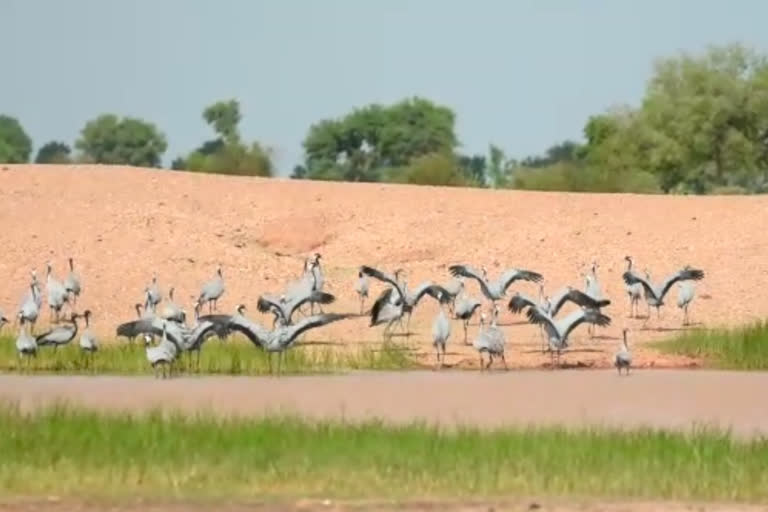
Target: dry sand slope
{"x":121,"y":224}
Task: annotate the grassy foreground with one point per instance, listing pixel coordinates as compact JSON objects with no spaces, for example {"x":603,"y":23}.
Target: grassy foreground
{"x":75,"y":453}
{"x":743,"y":348}
{"x":233,"y":357}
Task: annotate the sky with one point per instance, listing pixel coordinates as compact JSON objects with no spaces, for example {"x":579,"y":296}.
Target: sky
{"x":522,"y":74}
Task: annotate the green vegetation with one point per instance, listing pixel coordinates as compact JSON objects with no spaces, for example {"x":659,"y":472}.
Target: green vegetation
{"x":227,"y":154}
{"x":54,"y":153}
{"x":15,"y":144}
{"x":73,"y":453}
{"x":233,"y":357}
{"x":744,"y":348}
{"x":701,"y":128}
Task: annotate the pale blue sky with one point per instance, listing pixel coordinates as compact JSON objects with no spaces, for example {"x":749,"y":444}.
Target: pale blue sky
{"x":521,"y":74}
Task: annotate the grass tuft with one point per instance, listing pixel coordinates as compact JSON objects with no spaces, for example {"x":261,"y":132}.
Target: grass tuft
{"x":77,"y":453}
{"x":233,"y":357}
{"x":743,"y":348}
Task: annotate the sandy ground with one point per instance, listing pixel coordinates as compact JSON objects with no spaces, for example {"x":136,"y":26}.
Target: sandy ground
{"x":673,"y":399}
{"x":123,"y":224}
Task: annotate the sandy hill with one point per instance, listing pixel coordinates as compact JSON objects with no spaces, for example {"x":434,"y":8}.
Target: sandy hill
{"x":121,"y":224}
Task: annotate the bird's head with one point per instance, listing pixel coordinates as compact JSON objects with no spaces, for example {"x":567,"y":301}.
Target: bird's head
{"x":170,"y":292}
{"x":87,"y":314}
{"x":71,"y":262}
{"x":317,"y":257}
{"x":218,"y":270}
{"x":241,"y":308}
{"x":48,"y":266}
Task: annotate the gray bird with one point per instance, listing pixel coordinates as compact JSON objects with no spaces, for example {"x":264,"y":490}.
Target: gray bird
{"x":490,"y":340}
{"x":221,"y":321}
{"x":60,"y":335}
{"x":408,"y":300}
{"x":88,"y":342}
{"x":623,"y":357}
{"x":464,"y":310}
{"x":495,"y":290}
{"x":686,"y":291}
{"x":57,"y":294}
{"x":361,"y":288}
{"x":212,"y":291}
{"x":153,"y":294}
{"x":172,"y":311}
{"x":558,"y":330}
{"x":441,"y":328}
{"x":454,"y":287}
{"x":634,"y":291}
{"x":656,"y":293}
{"x":318,"y":282}
{"x":284,"y":307}
{"x":164,"y":354}
{"x":26,"y":345}
{"x":283,"y":336}
{"x":593,"y":289}
{"x":72,"y":282}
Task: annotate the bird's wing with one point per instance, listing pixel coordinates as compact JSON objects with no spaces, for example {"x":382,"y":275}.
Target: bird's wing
{"x":558,"y":300}
{"x":202,"y":332}
{"x":514,"y":274}
{"x":570,"y":322}
{"x":311,"y":322}
{"x":536,"y":315}
{"x":519,"y":302}
{"x":266,"y":302}
{"x":382,"y":276}
{"x":433,"y":290}
{"x":580,"y":298}
{"x":380,"y":302}
{"x":134,"y":327}
{"x":686,"y":274}
{"x":468,"y":271}
{"x":253,"y":331}
{"x":631,"y":278}
{"x":314,"y":296}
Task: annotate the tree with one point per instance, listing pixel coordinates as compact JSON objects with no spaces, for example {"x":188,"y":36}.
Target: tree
{"x":226,"y":154}
{"x":474,"y":169}
{"x":127,"y":141}
{"x":362,"y":145}
{"x":15,"y":144}
{"x":566,"y":151}
{"x":53,"y":152}
{"x":500,"y":168}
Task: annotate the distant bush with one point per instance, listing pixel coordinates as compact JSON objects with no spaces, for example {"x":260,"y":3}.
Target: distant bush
{"x":54,"y":153}
{"x":569,"y":177}
{"x":15,"y":144}
{"x":434,"y":169}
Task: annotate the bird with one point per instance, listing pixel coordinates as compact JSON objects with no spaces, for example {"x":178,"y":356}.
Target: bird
{"x":164,"y":353}
{"x":361,"y":288}
{"x":558,"y":330}
{"x":623,"y":357}
{"x":220,"y":320}
{"x":655,"y":294}
{"x":192,"y":339}
{"x":406,"y":301}
{"x":153,"y":294}
{"x":212,"y":291}
{"x":72,"y":283}
{"x":491,"y":340}
{"x":519,"y":301}
{"x":454,"y":287}
{"x":464,"y":309}
{"x":30,"y":308}
{"x":495,"y":290}
{"x":57,"y":295}
{"x":59,"y":335}
{"x":318,"y":282}
{"x":283,"y":336}
{"x":171,"y":310}
{"x":284,"y":306}
{"x":387,"y":308}
{"x":3,"y":320}
{"x":593,"y":289}
{"x":634,"y":291}
{"x":441,"y":328}
{"x":26,"y":345}
{"x":686,"y":291}
{"x":88,"y":342}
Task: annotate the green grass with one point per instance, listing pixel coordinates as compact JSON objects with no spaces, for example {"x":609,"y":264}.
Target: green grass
{"x":234,"y":357}
{"x":74,"y":453}
{"x":743,"y":348}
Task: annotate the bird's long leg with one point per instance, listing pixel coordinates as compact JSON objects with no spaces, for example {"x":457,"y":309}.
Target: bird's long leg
{"x":503,"y":360}
{"x":482,"y":366}
{"x":269,"y":362}
{"x":443,"y":360}
{"x":490,"y":361}
{"x":408,"y":325}
{"x":465,"y":322}
{"x":437,"y":355}
{"x":198,"y":361}
{"x":279,"y":362}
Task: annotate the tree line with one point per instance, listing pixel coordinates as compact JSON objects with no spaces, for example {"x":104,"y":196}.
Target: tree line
{"x":701,"y":127}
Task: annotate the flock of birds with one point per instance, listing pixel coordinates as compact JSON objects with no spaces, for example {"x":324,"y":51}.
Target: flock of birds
{"x":167,"y":334}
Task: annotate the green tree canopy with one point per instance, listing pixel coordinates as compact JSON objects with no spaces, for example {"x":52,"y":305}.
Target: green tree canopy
{"x":53,"y":152}
{"x":15,"y":144}
{"x":109,"y":139}
{"x":363,"y":144}
{"x":226,"y":154}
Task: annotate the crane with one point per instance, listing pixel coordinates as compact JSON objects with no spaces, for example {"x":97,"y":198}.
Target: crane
{"x":656,"y":293}
{"x":495,"y":290}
